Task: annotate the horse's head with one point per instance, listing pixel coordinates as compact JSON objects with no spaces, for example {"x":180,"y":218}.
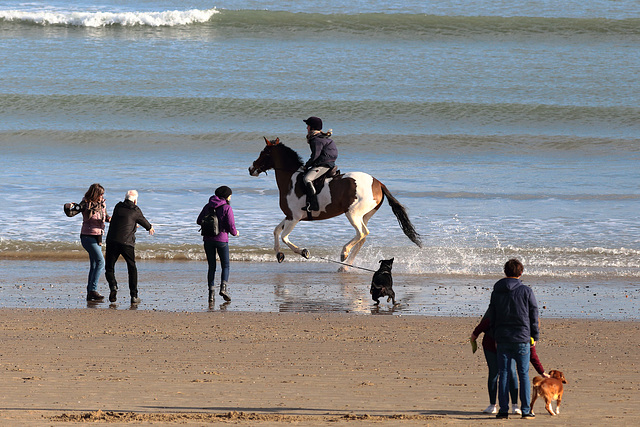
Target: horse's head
{"x":264,"y":162}
{"x":275,"y":156}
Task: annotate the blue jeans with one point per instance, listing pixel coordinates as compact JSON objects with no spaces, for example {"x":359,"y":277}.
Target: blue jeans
{"x":96,"y":261}
{"x":492,"y":380}
{"x":521,"y":353}
{"x":222,"y":248}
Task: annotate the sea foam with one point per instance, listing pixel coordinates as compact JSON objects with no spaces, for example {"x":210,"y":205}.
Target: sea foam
{"x":167,"y":18}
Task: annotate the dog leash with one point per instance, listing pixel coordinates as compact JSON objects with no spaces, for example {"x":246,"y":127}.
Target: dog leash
{"x":343,"y":263}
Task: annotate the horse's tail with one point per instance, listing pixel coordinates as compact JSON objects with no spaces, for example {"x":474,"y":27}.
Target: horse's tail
{"x":403,"y":219}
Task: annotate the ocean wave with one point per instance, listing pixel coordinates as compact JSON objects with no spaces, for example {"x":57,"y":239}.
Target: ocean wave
{"x":401,"y":24}
{"x":123,"y":112}
{"x":169,"y":18}
{"x":520,"y":196}
{"x":421,"y":24}
{"x":428,"y":144}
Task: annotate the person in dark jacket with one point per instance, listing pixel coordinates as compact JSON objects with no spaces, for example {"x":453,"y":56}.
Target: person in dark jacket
{"x":489,"y":348}
{"x":513,"y":311}
{"x":324,"y":154}
{"x":219,"y":242}
{"x":121,"y":240}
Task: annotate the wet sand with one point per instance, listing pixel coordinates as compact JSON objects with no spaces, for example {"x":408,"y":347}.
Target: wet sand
{"x":64,"y":366}
{"x":307,"y":287}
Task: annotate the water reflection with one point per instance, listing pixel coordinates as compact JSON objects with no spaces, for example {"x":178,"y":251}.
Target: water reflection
{"x":376,"y":309}
{"x":323,"y":292}
{"x":221,"y":307}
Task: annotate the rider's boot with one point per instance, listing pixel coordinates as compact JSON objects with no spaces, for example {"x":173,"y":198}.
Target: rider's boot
{"x":312,"y":198}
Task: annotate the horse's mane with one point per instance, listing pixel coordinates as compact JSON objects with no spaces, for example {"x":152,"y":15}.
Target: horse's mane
{"x":290,"y":154}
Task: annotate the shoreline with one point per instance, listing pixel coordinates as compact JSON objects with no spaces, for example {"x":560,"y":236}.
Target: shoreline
{"x":67,"y":366}
{"x":178,"y":286}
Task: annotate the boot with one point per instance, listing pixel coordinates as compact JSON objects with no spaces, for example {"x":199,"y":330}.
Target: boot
{"x":212,"y":296}
{"x":94,"y":296}
{"x":113,"y":294}
{"x":223,"y":291}
{"x":312,"y":198}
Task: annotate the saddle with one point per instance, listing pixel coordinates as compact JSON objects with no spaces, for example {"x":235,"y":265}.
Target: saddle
{"x":318,"y":183}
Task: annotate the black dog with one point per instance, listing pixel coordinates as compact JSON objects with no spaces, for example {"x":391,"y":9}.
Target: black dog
{"x":382,"y":282}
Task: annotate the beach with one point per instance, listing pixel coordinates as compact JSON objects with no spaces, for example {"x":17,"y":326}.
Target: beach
{"x":506,"y":130}
{"x":123,"y":366}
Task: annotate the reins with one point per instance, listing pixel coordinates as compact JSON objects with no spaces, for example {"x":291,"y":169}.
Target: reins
{"x":281,"y":169}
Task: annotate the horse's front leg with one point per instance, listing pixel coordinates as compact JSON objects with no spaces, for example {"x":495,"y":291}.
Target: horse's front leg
{"x":287,"y":227}
{"x":276,"y":240}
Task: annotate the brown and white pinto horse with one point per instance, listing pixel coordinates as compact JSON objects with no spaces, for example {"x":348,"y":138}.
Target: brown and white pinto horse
{"x":355,"y":194}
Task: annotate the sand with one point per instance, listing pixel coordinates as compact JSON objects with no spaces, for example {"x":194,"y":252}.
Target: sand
{"x":62,"y":367}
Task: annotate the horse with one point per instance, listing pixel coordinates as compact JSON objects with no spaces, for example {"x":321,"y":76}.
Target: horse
{"x":357,"y":195}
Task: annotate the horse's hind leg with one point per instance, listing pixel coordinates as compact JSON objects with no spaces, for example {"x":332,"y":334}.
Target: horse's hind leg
{"x":350,"y":250}
{"x":352,"y":255}
{"x":356,"y":248}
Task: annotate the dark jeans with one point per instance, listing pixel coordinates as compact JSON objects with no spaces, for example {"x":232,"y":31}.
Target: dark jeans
{"x":521,"y":353}
{"x":492,"y":380}
{"x":222,"y":249}
{"x":114,"y":250}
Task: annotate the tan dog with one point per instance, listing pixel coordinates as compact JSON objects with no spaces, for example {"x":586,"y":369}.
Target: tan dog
{"x":550,"y":389}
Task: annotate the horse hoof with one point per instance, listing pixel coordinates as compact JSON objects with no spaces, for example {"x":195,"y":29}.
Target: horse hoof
{"x":280,"y":257}
{"x":305,"y":253}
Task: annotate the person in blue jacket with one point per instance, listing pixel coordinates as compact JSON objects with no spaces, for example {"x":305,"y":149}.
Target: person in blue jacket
{"x":219,"y":243}
{"x":513,"y":311}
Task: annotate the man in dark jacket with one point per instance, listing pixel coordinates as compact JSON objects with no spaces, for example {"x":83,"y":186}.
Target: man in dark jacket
{"x":324,"y":154}
{"x":513,"y":311}
{"x":121,"y":240}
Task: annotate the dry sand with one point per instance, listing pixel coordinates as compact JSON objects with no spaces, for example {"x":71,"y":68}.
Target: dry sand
{"x":62,"y":367}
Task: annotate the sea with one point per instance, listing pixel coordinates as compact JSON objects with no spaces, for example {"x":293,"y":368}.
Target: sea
{"x":507,"y":129}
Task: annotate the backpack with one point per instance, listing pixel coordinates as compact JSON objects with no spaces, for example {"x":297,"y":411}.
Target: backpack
{"x":209,"y":225}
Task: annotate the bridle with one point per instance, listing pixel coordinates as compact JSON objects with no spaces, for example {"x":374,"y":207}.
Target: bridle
{"x":260,"y":168}
{"x":265,"y":156}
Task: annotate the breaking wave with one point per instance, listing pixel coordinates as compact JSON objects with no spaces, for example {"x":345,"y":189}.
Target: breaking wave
{"x":558,"y":262}
{"x":400,"y":24}
{"x":167,"y":18}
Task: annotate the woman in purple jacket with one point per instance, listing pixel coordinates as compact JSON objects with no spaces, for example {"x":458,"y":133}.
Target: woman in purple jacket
{"x":94,"y":216}
{"x":218,"y":243}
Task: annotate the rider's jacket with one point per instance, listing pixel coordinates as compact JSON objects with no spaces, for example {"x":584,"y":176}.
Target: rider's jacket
{"x":323,"y":150}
